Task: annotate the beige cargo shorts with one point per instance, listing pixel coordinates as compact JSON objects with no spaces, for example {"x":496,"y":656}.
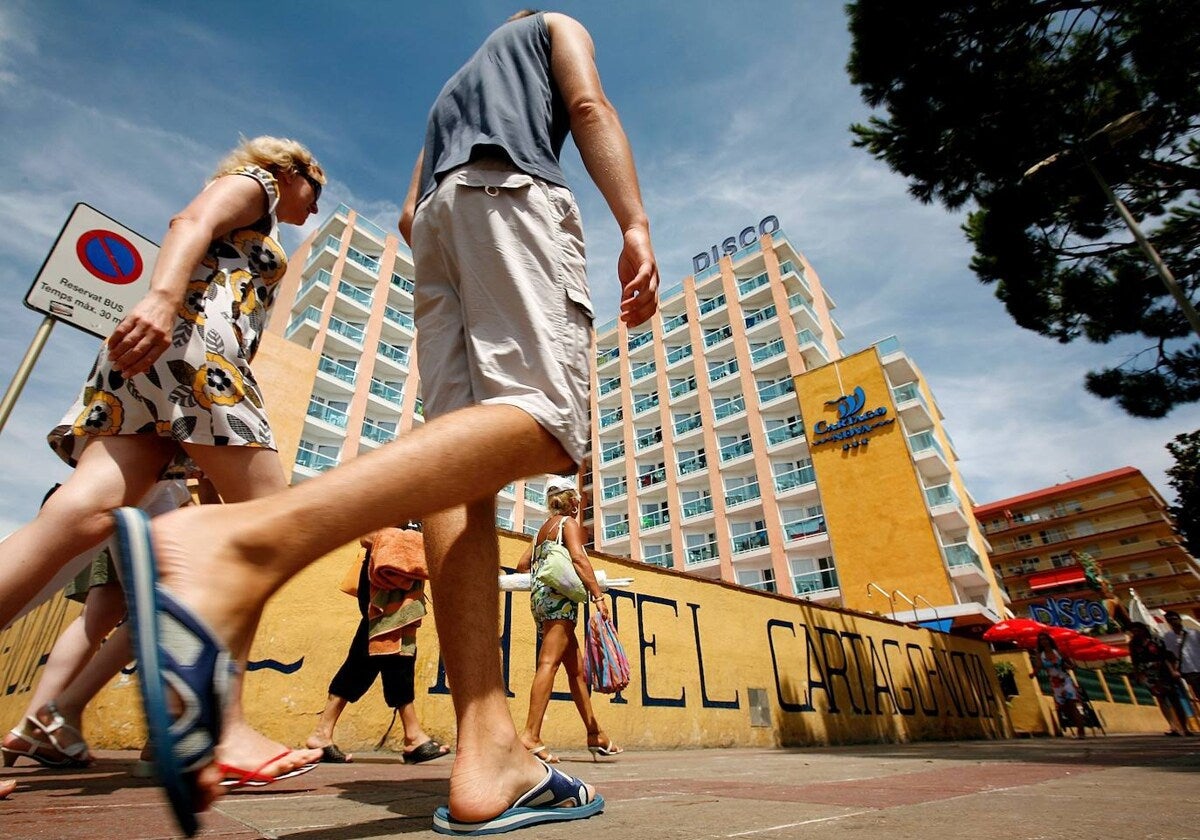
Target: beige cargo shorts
{"x":502,"y":307}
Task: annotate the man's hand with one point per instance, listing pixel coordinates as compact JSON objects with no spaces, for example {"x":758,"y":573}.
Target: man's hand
{"x":142,"y":335}
{"x":638,"y":272}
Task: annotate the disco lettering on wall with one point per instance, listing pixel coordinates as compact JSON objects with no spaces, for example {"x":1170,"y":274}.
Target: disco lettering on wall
{"x":1072,"y":613}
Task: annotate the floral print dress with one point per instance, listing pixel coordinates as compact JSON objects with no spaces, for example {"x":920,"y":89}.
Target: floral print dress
{"x":544,"y":602}
{"x":201,"y":389}
{"x":1062,"y":684}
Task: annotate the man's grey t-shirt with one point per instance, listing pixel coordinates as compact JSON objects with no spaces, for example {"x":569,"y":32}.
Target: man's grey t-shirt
{"x":503,"y":99}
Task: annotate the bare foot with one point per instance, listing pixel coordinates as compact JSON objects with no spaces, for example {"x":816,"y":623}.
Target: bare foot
{"x":244,"y":747}
{"x":482,"y":785}
{"x":7,"y":787}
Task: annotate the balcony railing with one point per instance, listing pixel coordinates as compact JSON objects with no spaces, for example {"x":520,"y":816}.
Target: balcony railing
{"x":764,"y":314}
{"x":377,"y":433}
{"x":736,"y":449}
{"x":640,"y":340}
{"x":331,"y":243}
{"x":775,"y":390}
{"x":315,"y":460}
{"x":924,"y":441}
{"x":655,"y":519}
{"x":505,"y":522}
{"x":330,"y":415}
{"x":393,"y":352}
{"x":674,"y":322}
{"x":679,"y":353}
{"x":686,"y":424}
{"x":795,"y":478}
{"x":907,"y":393}
{"x":789,"y":267}
{"x":644,"y":441}
{"x":811,"y":583}
{"x":697,"y":507}
{"x":745,"y":287}
{"x":767,"y":351}
{"x":691,"y":465}
{"x":712,"y":305}
{"x":962,"y":554}
{"x":613,"y":491}
{"x":609,"y":418}
{"x":371,"y":264}
{"x":645,"y":403}
{"x":663,"y":559}
{"x":354,"y":293}
{"x":402,"y":283}
{"x":532,"y":494}
{"x":750,"y":542}
{"x":809,"y":526}
{"x":612,"y":453}
{"x":387,"y":392}
{"x":310,"y":314}
{"x":727,"y":409}
{"x":942,"y":494}
{"x":652,"y":477}
{"x":713,"y":337}
{"x":606,"y":356}
{"x":718,"y":372}
{"x":741,"y":495}
{"x":641,"y":371}
{"x":607,"y":386}
{"x":701,"y":553}
{"x":337,"y":369}
{"x":789,"y":431}
{"x":321,"y":278}
{"x":798,"y":303}
{"x":343,"y":328}
{"x":685,"y":387}
{"x":616,"y":529}
{"x":400,"y":319}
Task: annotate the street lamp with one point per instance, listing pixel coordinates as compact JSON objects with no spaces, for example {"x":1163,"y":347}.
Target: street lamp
{"x":1113,"y":132}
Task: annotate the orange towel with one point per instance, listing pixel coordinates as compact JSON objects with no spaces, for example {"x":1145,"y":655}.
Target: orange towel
{"x":397,"y":573}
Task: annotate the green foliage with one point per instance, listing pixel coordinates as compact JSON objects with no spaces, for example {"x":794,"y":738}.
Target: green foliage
{"x":976,"y":92}
{"x":1184,"y":477}
{"x":1004,"y":669}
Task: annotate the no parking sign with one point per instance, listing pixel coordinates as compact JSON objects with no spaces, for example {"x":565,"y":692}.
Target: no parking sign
{"x":95,"y":273}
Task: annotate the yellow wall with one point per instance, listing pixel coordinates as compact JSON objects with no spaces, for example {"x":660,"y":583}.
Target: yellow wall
{"x":696,"y":648}
{"x":874,"y":505}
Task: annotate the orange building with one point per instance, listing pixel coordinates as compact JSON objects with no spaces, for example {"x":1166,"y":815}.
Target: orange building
{"x":1118,"y":519}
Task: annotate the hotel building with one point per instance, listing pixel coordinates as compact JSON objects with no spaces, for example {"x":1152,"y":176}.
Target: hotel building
{"x":346,"y":304}
{"x":701,"y":460}
{"x":1118,"y":519}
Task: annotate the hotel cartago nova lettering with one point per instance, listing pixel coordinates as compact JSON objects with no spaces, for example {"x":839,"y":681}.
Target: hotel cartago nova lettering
{"x":731,"y":244}
{"x":854,"y":425}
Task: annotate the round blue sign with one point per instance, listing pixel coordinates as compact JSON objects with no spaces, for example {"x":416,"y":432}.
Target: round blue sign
{"x":109,"y":256}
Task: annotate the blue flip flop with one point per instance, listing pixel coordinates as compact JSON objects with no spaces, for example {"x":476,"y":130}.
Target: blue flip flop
{"x":556,"y":798}
{"x":175,"y":650}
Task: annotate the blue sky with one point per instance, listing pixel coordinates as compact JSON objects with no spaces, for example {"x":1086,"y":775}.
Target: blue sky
{"x":735,"y":110}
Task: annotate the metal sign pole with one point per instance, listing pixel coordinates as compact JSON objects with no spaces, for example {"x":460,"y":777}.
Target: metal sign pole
{"x":25,"y":368}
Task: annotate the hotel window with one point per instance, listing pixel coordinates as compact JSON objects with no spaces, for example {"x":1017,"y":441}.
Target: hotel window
{"x":1062,"y":560}
{"x":1022,"y":541}
{"x":1053,"y":535}
{"x":760,"y":579}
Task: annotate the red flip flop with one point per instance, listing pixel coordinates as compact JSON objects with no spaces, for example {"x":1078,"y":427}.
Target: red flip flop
{"x":236,"y":777}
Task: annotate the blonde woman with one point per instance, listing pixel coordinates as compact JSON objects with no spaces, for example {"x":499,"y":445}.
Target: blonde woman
{"x":173,"y":382}
{"x":556,"y":616}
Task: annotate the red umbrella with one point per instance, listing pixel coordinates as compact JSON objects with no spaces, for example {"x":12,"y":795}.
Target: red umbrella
{"x":1014,"y":630}
{"x":1023,"y":633}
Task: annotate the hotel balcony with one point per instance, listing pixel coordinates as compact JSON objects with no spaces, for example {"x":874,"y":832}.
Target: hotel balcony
{"x":615,"y":490}
{"x":607,"y":386}
{"x":703,"y":556}
{"x":776,"y":391}
{"x":679,"y":354}
{"x":323,"y":254}
{"x":353,"y":300}
{"x":964,"y":563}
{"x":652,"y":521}
{"x":639,"y":345}
{"x":385,"y":395}
{"x":397,"y":321}
{"x":304,"y":325}
{"x":929,"y":456}
{"x":374,"y":435}
{"x":663,"y":559}
{"x":772,"y":351}
{"x":392,"y":357}
{"x":697,"y":507}
{"x":896,"y":363}
{"x":644,"y":403}
{"x":811,"y":349}
{"x":744,"y":495}
{"x":819,"y":586}
{"x":785,"y":434}
{"x":794,"y":484}
{"x":736,"y":450}
{"x":807,"y":530}
{"x":403,"y":286}
{"x":946,"y":508}
{"x":689,"y":424}
{"x":749,"y":545}
{"x":911,"y":406}
{"x":710,"y":306}
{"x":310,"y":463}
{"x":314,"y":290}
{"x":337,"y":375}
{"x":344,"y":334}
{"x":364,"y":264}
{"x":722,"y":411}
{"x":327,"y":418}
{"x":753,"y":287}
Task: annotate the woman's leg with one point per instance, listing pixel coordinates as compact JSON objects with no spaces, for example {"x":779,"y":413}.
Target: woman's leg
{"x":555,"y":636}
{"x":239,"y":474}
{"x":112,"y":471}
{"x":102,"y":611}
{"x":577,"y":679}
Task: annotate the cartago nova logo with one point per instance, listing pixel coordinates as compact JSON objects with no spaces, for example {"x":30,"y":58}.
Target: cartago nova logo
{"x":853,"y":426}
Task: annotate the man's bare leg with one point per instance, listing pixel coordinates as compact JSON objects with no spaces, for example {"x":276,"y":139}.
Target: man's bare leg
{"x":225,"y":562}
{"x":491,"y":766}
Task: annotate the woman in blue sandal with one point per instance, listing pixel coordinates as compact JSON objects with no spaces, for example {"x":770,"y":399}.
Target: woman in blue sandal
{"x":173,"y":382}
{"x":556,"y":616}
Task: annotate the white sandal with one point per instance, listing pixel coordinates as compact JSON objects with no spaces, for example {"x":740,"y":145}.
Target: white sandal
{"x":77,"y":749}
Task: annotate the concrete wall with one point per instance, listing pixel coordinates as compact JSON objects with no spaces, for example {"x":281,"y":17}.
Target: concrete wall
{"x":698,"y":650}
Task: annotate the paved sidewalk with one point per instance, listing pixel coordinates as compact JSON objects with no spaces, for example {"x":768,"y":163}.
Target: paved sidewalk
{"x":1143,"y":786}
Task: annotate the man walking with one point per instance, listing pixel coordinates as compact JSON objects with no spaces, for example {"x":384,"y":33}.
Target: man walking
{"x":503,"y":318}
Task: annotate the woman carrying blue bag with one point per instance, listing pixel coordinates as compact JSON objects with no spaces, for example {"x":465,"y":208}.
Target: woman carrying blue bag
{"x":556,"y":615}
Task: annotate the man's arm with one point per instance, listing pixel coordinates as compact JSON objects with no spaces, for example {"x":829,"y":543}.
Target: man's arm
{"x":410,"y":201}
{"x":609,"y":160}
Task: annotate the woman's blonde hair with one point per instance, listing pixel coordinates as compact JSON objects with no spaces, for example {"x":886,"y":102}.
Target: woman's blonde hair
{"x":276,"y":154}
{"x":560,"y":502}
